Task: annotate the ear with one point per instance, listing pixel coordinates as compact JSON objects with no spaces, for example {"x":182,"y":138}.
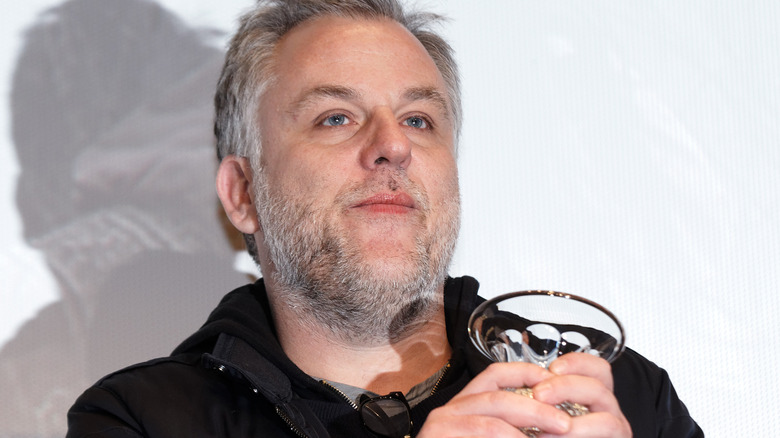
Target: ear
{"x":234,"y":188}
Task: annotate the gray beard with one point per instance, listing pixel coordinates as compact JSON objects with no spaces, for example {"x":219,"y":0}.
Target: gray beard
{"x":323,"y":277}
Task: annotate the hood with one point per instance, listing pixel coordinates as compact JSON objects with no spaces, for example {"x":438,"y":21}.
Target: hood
{"x":245,"y":314}
{"x":239,"y":339}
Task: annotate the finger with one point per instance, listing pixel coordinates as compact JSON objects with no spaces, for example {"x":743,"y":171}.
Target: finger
{"x":597,"y":425}
{"x":584,"y":364}
{"x":586,"y":391}
{"x":499,"y":376}
{"x":479,"y":413}
{"x":468,"y":426}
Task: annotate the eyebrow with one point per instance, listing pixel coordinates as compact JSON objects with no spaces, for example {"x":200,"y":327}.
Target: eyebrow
{"x":323,"y":91}
{"x":430,"y":94}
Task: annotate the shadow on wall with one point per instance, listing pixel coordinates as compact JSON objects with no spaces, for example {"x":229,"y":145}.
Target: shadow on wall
{"x":111,"y":118}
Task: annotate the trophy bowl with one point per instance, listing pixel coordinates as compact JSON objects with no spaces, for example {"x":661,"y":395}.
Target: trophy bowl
{"x":538,"y":326}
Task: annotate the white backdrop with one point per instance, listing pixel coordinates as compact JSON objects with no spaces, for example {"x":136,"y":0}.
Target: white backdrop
{"x":625,"y":152}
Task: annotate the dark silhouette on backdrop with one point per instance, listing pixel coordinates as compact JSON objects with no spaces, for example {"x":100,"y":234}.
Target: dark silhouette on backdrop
{"x":111,"y":119}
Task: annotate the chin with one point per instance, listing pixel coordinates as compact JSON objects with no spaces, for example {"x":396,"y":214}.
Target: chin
{"x":390,"y":264}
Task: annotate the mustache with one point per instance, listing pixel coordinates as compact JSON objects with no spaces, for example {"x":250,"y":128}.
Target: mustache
{"x":389,"y":181}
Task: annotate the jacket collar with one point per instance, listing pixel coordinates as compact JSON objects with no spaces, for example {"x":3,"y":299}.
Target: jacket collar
{"x":239,"y":336}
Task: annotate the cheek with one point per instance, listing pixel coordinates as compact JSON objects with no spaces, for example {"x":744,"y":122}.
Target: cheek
{"x":308,"y":178}
{"x":448,"y":192}
{"x":440,"y":178}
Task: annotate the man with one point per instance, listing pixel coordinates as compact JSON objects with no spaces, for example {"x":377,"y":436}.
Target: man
{"x":337,"y":125}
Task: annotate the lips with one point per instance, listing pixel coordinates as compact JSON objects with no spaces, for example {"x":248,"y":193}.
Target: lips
{"x":387,"y":203}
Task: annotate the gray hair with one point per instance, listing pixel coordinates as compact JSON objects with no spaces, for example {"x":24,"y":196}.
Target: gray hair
{"x":246,"y":72}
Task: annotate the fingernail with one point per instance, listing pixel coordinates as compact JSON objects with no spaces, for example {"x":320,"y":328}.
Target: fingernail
{"x":558,"y":367}
{"x":563,"y":420}
{"x":542,"y":388}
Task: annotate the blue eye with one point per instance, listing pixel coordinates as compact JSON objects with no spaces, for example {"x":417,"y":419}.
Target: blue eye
{"x":336,"y":120}
{"x":416,"y":122}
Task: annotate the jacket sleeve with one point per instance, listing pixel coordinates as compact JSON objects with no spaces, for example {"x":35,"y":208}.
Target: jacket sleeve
{"x":649,"y":401}
{"x":173,"y":397}
{"x":100,"y":413}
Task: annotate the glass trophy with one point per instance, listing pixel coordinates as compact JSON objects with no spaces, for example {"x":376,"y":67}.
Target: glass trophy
{"x":538,"y":326}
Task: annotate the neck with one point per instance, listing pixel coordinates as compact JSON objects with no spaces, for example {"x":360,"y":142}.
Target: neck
{"x":382,"y":366}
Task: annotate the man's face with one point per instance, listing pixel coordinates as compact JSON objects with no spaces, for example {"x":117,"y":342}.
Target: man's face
{"x":358,"y":196}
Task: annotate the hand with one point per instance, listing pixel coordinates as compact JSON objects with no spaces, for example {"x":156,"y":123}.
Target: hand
{"x":587,"y":380}
{"x":484,"y":408}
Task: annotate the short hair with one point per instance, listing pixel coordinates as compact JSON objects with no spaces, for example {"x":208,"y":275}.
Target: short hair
{"x":246,"y":72}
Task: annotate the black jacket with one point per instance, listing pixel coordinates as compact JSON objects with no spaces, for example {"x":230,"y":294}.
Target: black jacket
{"x":232,"y":379}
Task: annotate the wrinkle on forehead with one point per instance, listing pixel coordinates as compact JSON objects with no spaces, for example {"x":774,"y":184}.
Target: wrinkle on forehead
{"x":311,"y":95}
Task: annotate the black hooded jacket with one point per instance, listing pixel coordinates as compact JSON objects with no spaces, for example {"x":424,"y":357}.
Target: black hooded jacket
{"x":232,"y":379}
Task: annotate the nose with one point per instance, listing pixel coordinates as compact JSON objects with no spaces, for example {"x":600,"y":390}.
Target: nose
{"x":387,"y":145}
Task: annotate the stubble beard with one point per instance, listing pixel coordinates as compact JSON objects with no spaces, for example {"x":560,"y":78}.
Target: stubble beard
{"x":324,"y":276}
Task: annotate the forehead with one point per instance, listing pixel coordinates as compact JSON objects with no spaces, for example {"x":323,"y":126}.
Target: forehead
{"x":368,"y":54}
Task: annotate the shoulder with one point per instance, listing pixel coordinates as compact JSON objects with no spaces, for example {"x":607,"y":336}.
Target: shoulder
{"x":164,"y":379}
{"x":174,"y":396}
{"x":648,"y":399}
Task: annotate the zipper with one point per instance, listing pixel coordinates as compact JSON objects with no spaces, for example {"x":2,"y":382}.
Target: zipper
{"x":354,"y":406}
{"x":283,"y":415}
{"x":293,"y":427}
{"x":340,"y":393}
{"x":236,"y":373}
{"x":440,"y":379}
{"x":352,"y":403}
